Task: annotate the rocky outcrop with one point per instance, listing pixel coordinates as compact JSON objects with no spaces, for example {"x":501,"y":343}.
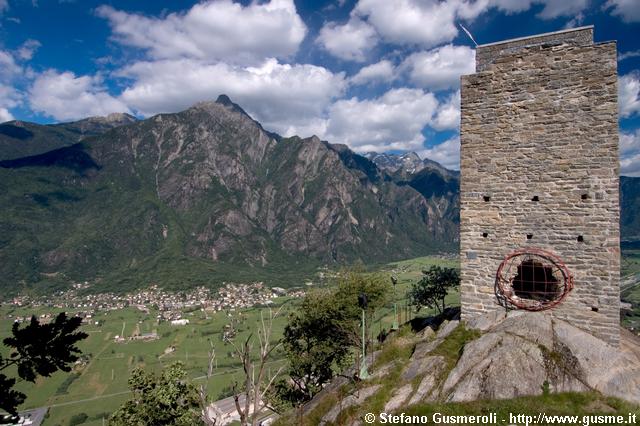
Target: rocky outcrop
{"x":527,"y":353}
{"x":497,"y":356}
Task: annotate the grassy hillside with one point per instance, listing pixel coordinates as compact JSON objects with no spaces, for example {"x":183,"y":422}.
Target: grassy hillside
{"x":100,"y":387}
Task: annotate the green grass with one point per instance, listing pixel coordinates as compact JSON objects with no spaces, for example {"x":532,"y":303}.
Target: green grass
{"x":630,"y":262}
{"x":577,"y":404}
{"x":110,"y":365}
{"x":451,"y":347}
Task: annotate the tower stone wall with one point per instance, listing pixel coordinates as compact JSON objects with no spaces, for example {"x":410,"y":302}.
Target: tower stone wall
{"x":540,"y":119}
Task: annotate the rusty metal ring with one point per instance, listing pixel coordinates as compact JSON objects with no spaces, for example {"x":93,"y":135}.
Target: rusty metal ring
{"x":533,"y":279}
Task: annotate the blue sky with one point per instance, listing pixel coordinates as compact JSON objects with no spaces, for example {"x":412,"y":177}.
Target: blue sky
{"x":378,"y":75}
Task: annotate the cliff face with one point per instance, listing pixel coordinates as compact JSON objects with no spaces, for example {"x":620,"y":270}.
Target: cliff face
{"x":203,"y":190}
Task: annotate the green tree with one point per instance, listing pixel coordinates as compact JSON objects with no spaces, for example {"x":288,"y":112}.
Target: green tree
{"x":168,"y":399}
{"x":320,"y":338}
{"x":432,"y":289}
{"x":38,"y":350}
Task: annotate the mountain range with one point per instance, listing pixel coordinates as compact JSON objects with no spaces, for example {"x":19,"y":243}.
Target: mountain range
{"x":207,"y":195}
{"x":202,"y":196}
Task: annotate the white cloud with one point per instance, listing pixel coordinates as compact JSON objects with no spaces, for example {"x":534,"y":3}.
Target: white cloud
{"x":628,"y":54}
{"x":427,"y":23}
{"x":448,"y":115}
{"x":214,"y":30}
{"x":555,"y":8}
{"x":4,"y":5}
{"x":5,"y":115}
{"x":447,"y":153}
{"x":10,"y":97}
{"x":627,"y":10}
{"x":350,"y":41}
{"x":393,"y":121}
{"x":382,"y":71}
{"x":630,"y":153}
{"x":629,"y":94}
{"x":28,"y":49}
{"x":575,"y":21}
{"x":440,"y":68}
{"x":64,"y":96}
{"x":281,"y":96}
{"x":552,"y":8}
{"x":8,"y":67}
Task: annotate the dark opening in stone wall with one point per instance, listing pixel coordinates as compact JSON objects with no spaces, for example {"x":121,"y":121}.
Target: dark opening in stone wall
{"x":535,"y":281}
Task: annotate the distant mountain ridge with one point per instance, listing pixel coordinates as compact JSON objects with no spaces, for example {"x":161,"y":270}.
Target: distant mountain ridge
{"x":207,"y":195}
{"x":198,"y":197}
{"x":23,"y":139}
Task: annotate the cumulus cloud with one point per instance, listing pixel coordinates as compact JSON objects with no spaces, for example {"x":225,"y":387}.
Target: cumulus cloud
{"x":555,"y":8}
{"x":28,"y":49}
{"x":219,"y":29}
{"x":5,"y":115}
{"x":64,"y":96}
{"x":630,"y":153}
{"x":627,"y":10}
{"x":629,"y":95}
{"x":350,"y":41}
{"x":393,"y":121}
{"x":8,"y":67}
{"x":427,"y":23}
{"x":10,"y":97}
{"x":447,"y":153}
{"x":278,"y":95}
{"x":440,"y":68}
{"x":382,"y":71}
{"x":448,"y":115}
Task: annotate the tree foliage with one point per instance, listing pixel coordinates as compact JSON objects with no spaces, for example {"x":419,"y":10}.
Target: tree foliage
{"x":38,"y":350}
{"x":432,"y":289}
{"x":168,"y":399}
{"x":320,"y":337}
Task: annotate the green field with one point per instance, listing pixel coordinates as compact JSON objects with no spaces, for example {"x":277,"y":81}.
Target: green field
{"x":100,"y":386}
{"x":103,"y":380}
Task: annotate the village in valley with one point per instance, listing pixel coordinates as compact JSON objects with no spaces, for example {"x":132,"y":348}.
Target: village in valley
{"x":170,"y":306}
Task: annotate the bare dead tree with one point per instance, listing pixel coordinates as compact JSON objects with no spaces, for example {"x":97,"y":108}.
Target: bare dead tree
{"x":211,"y":414}
{"x":256,"y":384}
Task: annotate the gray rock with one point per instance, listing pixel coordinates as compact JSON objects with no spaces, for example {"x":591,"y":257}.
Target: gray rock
{"x":610,"y":370}
{"x":533,"y":326}
{"x":486,"y":321}
{"x":382,"y":371}
{"x":419,"y":366}
{"x":446,"y":328}
{"x":351,"y":400}
{"x":522,"y":352}
{"x":426,"y":389}
{"x":398,"y":398}
{"x":427,"y":334}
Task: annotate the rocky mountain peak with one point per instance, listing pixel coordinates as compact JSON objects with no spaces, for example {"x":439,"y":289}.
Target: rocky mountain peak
{"x":227,"y":102}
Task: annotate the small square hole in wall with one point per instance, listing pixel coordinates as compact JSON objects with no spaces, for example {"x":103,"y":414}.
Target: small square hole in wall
{"x":486,"y":198}
{"x":584,"y":197}
{"x":485,"y":235}
{"x":595,"y":309}
{"x":580,"y":238}
{"x":535,"y":198}
{"x":529,"y":236}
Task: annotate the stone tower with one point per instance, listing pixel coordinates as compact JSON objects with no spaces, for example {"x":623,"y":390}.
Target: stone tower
{"x":539,"y":217}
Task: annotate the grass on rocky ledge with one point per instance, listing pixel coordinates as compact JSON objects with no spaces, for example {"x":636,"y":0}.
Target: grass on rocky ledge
{"x":561,"y":404}
{"x":397,"y":351}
